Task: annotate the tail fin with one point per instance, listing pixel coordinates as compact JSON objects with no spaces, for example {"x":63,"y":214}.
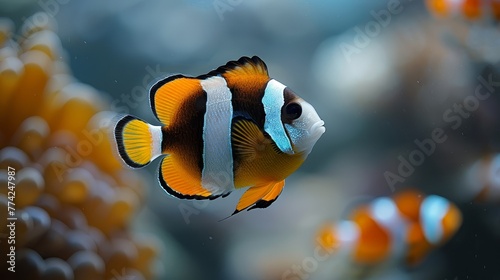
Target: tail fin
{"x":138,"y":142}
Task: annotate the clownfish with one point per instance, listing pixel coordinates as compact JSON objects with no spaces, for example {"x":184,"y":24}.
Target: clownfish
{"x":471,"y":25}
{"x":468,"y":9}
{"x":404,"y":227}
{"x":232,"y":128}
{"x":481,"y":180}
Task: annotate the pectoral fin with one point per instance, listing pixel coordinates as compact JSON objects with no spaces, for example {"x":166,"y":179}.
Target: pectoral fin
{"x":248,"y":141}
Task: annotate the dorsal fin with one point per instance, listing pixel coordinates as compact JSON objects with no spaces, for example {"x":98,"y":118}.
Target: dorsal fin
{"x":253,"y":66}
{"x":167,"y":95}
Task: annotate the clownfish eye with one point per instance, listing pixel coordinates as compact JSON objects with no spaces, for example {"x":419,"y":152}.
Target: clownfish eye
{"x":293,"y":111}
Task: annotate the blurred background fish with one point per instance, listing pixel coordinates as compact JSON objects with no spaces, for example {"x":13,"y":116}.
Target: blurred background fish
{"x":470,"y":24}
{"x":398,"y":230}
{"x":409,"y":98}
{"x":468,"y":9}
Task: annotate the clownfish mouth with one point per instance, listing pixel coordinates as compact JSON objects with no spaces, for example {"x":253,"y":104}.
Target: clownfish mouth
{"x":317,"y":128}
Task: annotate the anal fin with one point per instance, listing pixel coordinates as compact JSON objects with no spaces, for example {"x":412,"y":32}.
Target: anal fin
{"x":270,"y":197}
{"x":177,"y":181}
{"x":260,"y":196}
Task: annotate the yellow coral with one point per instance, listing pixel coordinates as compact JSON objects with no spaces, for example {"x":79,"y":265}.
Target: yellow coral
{"x":73,"y":200}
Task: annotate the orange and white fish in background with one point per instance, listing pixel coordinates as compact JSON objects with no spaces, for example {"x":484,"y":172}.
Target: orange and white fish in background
{"x":473,"y":24}
{"x":481,"y":180}
{"x":404,"y":227}
{"x":232,"y":128}
{"x":467,"y":9}
{"x":478,"y":187}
